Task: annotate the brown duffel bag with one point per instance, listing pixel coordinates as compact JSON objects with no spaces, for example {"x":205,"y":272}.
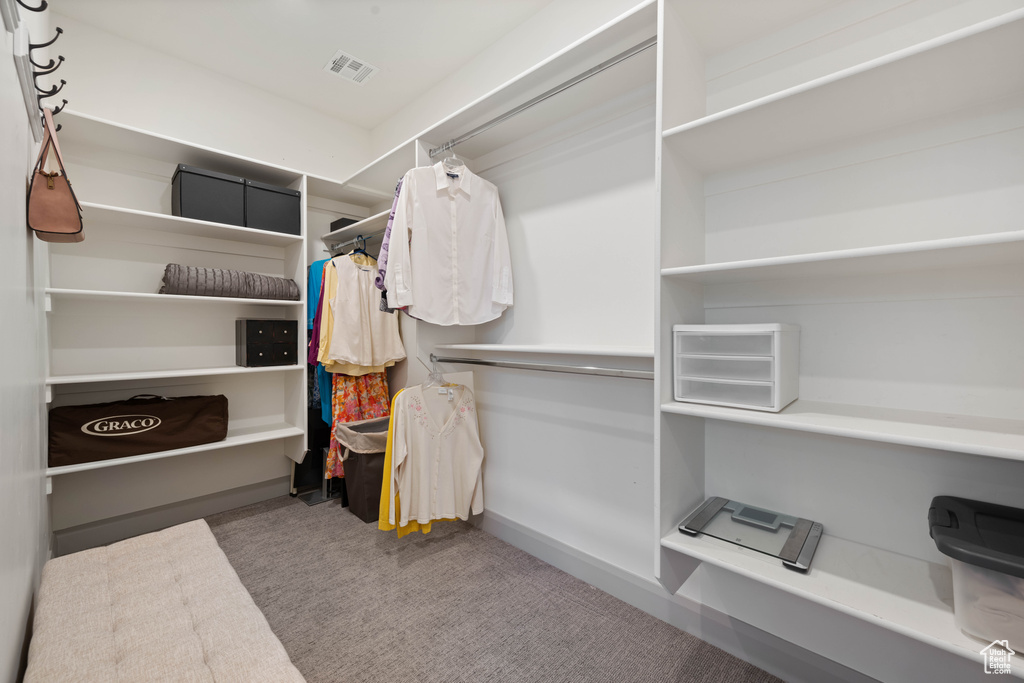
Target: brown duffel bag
{"x":142,"y":424}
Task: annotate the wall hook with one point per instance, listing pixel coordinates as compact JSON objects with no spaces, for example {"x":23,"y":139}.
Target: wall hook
{"x":41,"y":8}
{"x":42,"y":66}
{"x":59,"y":109}
{"x":36,"y":46}
{"x":48,"y":70}
{"x":52,"y":91}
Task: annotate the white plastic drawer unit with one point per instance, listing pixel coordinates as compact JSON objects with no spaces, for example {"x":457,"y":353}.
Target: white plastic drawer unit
{"x":741,"y":366}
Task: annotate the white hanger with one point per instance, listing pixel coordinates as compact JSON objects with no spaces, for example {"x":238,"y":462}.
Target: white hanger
{"x":452,"y":163}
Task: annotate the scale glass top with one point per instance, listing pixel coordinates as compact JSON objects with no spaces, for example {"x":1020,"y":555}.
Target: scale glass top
{"x":791,"y":539}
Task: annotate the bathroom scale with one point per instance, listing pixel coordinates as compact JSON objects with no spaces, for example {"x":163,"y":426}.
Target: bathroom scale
{"x":791,"y":539}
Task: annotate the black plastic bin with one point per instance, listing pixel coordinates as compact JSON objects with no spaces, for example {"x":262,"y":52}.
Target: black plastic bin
{"x":985,"y":544}
{"x":364,"y":444}
{"x":208,"y":195}
{"x":268,"y":207}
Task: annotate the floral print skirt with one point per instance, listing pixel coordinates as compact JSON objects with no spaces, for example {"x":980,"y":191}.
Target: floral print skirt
{"x":354,"y":399}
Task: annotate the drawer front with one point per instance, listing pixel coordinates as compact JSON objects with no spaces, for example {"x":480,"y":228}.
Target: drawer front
{"x":283,"y":354}
{"x":259,"y":331}
{"x":259,"y":355}
{"x":285,"y":331}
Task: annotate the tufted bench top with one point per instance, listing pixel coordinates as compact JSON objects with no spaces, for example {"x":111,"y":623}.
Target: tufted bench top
{"x":166,"y":606}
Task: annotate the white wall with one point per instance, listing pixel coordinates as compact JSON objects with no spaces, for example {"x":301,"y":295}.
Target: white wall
{"x":568,"y":456}
{"x":126,"y":82}
{"x":23,"y":523}
{"x":550,"y":30}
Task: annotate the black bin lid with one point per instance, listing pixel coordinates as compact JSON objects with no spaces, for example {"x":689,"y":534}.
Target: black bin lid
{"x":209,"y":174}
{"x":272,"y":188}
{"x":983,"y":534}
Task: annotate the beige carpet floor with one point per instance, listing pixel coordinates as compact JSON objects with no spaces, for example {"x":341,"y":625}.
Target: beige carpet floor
{"x":351,"y":603}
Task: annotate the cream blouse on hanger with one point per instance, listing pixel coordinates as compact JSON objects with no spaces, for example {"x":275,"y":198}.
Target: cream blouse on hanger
{"x":362,"y":335}
{"x":437,"y":454}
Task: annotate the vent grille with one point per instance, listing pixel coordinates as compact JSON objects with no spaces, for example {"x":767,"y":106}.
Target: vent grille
{"x":350,"y":68}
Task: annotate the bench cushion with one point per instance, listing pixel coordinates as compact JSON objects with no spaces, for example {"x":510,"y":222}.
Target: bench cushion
{"x":166,"y":606}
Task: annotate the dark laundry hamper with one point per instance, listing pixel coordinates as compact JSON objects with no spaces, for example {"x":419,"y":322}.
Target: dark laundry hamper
{"x":365,"y":442}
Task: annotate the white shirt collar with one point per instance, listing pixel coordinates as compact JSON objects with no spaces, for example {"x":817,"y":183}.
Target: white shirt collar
{"x":463,"y":182}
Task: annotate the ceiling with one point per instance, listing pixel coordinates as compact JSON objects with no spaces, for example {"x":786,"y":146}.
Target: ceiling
{"x":282,"y":46}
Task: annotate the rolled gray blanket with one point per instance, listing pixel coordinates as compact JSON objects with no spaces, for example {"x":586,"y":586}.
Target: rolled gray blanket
{"x":194,"y":281}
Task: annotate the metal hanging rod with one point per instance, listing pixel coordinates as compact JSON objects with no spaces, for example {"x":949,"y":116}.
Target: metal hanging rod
{"x":549,"y":367}
{"x":631,"y":52}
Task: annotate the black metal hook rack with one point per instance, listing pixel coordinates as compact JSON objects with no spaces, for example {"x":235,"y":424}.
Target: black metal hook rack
{"x":46,"y":69}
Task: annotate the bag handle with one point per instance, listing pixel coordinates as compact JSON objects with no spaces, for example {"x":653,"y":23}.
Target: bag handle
{"x":50,"y":139}
{"x":148,"y":396}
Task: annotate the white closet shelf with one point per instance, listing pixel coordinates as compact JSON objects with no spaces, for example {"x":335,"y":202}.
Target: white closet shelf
{"x":992,"y":437}
{"x":165,"y":374}
{"x":237,"y":436}
{"x":120,"y":217}
{"x":373,"y":225}
{"x":561,"y":349}
{"x":100,"y":295}
{"x":963,"y":68}
{"x":370,"y":185}
{"x":954,"y":252}
{"x":83,"y":132}
{"x":899,"y":593}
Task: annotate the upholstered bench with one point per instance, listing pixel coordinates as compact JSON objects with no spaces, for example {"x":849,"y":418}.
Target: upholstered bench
{"x":165,"y":606}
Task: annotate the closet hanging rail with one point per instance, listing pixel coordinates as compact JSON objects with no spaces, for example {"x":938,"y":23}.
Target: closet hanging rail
{"x":549,"y":367}
{"x":622,"y":56}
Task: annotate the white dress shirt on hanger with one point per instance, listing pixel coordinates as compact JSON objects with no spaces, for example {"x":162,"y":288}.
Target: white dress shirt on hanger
{"x":449,"y":261}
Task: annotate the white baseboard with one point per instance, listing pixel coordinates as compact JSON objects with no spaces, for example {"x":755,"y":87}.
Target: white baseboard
{"x":762,"y":649}
{"x":106,"y":531}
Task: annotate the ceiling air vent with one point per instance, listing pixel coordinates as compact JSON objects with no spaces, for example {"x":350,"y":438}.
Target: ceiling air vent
{"x":350,"y":68}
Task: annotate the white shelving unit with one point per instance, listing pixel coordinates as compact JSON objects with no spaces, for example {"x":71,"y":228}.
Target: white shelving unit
{"x":112,"y":336}
{"x":873,"y":200}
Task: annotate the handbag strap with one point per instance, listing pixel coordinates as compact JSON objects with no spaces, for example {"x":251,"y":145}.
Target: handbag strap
{"x":50,"y":138}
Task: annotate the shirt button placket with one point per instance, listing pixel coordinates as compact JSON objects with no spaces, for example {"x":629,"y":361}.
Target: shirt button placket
{"x":455,"y":258}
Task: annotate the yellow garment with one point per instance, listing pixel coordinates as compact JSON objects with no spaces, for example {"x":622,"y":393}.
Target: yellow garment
{"x":327,"y":290}
{"x":385,"y":488}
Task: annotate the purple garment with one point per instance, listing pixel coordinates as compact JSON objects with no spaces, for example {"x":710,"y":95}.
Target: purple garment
{"x":382,"y":257}
{"x":314,"y":342}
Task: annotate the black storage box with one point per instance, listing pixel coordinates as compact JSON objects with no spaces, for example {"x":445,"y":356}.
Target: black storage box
{"x":342,"y":223}
{"x":208,"y":196}
{"x":268,"y":207}
{"x":259,"y":343}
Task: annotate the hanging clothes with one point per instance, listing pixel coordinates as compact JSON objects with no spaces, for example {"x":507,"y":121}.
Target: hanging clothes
{"x":382,"y":256}
{"x":449,"y":260}
{"x":354,"y":399}
{"x":355,"y":337}
{"x":437,"y":455}
{"x":389,"y":490}
{"x":316,"y":276}
{"x":362,"y":335}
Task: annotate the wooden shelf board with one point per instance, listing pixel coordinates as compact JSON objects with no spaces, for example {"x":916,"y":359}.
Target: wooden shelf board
{"x":997,"y":438}
{"x":976,"y":64}
{"x":165,"y":374}
{"x":372,"y":226}
{"x":370,"y":185}
{"x":130,"y":218}
{"x":236,"y":437}
{"x":954,"y":252}
{"x":899,"y":593}
{"x":560,"y":349}
{"x":149,"y":297}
